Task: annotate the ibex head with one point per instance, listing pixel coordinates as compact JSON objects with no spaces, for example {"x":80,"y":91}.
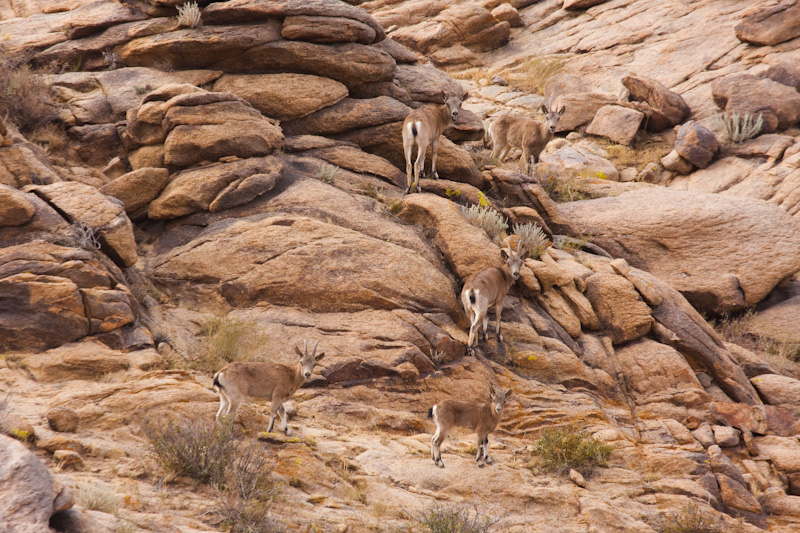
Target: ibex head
{"x":498,"y":398}
{"x":307,"y":362}
{"x":453,"y":102}
{"x":551,"y":117}
{"x":514,"y":259}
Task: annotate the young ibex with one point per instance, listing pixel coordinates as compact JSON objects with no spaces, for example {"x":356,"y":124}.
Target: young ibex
{"x":488,"y":286}
{"x":482,"y":418}
{"x":530,"y":136}
{"x":422,"y":128}
{"x":276,"y":382}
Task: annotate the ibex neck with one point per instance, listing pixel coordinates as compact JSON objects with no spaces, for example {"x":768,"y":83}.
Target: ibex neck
{"x":507,"y":277}
{"x":444,"y":113}
{"x":297,"y":377}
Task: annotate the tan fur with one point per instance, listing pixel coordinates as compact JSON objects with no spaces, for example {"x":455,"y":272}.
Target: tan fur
{"x":489,"y":287}
{"x":482,"y":418}
{"x":429,"y":121}
{"x":530,"y":136}
{"x":276,"y":382}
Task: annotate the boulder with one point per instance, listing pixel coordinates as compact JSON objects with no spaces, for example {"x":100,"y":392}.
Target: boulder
{"x":347,"y":115}
{"x":776,"y":502}
{"x":285,"y":96}
{"x":317,"y":29}
{"x":425,"y":83}
{"x":354,"y":159}
{"x":507,"y":13}
{"x":581,"y":4}
{"x":736,"y":496}
{"x":623,"y":315}
{"x":579,"y":108}
{"x":673,"y":161}
{"x":724,"y":253}
{"x":616,"y":123}
{"x":138,"y":188}
{"x":726,"y":436}
{"x":29,"y":495}
{"x":778,"y":390}
{"x":770,"y":25}
{"x":572,"y":161}
{"x":15,"y":208}
{"x":101,"y":214}
{"x":696,"y":144}
{"x":288,"y":260}
{"x":665,"y":108}
{"x":196,"y":189}
{"x":786,"y":73}
{"x":778,"y":104}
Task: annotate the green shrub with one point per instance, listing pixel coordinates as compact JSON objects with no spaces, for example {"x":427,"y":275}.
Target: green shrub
{"x":448,"y":519}
{"x":486,"y":218}
{"x":532,"y":238}
{"x":560,"y":449}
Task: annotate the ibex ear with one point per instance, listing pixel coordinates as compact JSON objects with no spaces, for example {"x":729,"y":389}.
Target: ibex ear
{"x":508,"y":394}
{"x":561,"y":111}
{"x":320,"y":356}
{"x":504,"y":253}
{"x":524,"y":254}
{"x":443,"y":96}
{"x":544,"y":109}
{"x":464,"y":96}
{"x":297,"y":349}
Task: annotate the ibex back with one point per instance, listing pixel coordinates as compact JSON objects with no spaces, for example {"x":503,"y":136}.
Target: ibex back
{"x":422,"y":128}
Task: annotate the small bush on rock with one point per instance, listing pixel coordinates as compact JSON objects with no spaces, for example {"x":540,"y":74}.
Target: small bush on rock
{"x":559,"y":450}
{"x":25,"y":98}
{"x":97,"y":496}
{"x":454,"y":519}
{"x":189,"y":15}
{"x":691,"y":519}
{"x":738,"y":128}
{"x":225,"y":340}
{"x":486,"y":218}
{"x":532,"y":238}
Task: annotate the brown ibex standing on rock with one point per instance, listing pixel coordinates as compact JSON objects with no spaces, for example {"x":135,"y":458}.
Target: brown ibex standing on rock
{"x":483,"y":418}
{"x":422,"y":128}
{"x":490,"y":286}
{"x":276,"y":382}
{"x":530,"y":136}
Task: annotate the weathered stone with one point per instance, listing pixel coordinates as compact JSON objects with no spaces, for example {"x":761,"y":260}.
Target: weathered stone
{"x":673,"y":161}
{"x":781,"y":391}
{"x":326,"y":30}
{"x":581,"y":4}
{"x":786,"y":73}
{"x":622,"y":313}
{"x":776,"y":502}
{"x":577,"y":161}
{"x":770,"y":25}
{"x":62,"y":419}
{"x":187,"y":145}
{"x":736,"y":496}
{"x":720,"y":232}
{"x":665,"y":108}
{"x":617,"y":123}
{"x":285,"y":96}
{"x":347,"y":115}
{"x":745,"y":94}
{"x":138,"y":188}
{"x":579,"y":108}
{"x":726,"y":436}
{"x":704,"y":435}
{"x":15,"y":208}
{"x":696,"y":144}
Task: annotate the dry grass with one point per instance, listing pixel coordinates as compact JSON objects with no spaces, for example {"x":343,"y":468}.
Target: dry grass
{"x":563,"y":189}
{"x":783,"y":356}
{"x":25,"y":98}
{"x":97,"y":496}
{"x":438,"y":518}
{"x":327,"y":172}
{"x":692,"y":518}
{"x":225,"y":340}
{"x":189,"y":15}
{"x":639,"y":156}
{"x":486,"y":218}
{"x":532,"y":238}
{"x":532,"y":74}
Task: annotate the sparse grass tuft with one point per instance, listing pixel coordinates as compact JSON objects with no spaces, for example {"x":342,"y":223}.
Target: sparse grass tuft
{"x":569,"y":244}
{"x":532,"y":74}
{"x":486,"y":218}
{"x":562,"y":190}
{"x":97,"y":496}
{"x":327,"y":172}
{"x":438,"y":518}
{"x":373,"y":192}
{"x":437,"y":357}
{"x":784,"y":356}
{"x":559,"y":450}
{"x":4,"y":414}
{"x":738,"y":128}
{"x":25,"y":98}
{"x":692,"y":518}
{"x":395,"y":206}
{"x":532,"y":238}
{"x":639,"y":157}
{"x":189,"y":15}
{"x":225,"y":340}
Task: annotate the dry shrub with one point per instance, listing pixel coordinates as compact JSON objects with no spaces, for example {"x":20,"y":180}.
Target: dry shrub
{"x":532,"y":74}
{"x":25,"y":98}
{"x":438,"y":518}
{"x":784,"y":356}
{"x":738,"y":128}
{"x":562,"y":190}
{"x":486,"y":218}
{"x":225,"y":340}
{"x":97,"y":496}
{"x":639,"y":156}
{"x":692,"y":518}
{"x":189,"y":15}
{"x":561,"y":449}
{"x":532,"y":238}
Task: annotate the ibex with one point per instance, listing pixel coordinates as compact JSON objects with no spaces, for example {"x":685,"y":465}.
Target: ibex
{"x":422,"y":128}
{"x":276,"y":382}
{"x":482,"y":418}
{"x":488,"y":286}
{"x":530,"y":136}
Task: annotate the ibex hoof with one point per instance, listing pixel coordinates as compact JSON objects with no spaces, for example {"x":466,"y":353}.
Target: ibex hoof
{"x":481,"y":465}
{"x":407,"y":190}
{"x":489,"y":461}
{"x":499,"y":338}
{"x":419,"y":189}
{"x":435,"y":176}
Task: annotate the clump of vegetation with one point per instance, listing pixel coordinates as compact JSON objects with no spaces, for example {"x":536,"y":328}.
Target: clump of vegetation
{"x":327,"y":172}
{"x":486,"y":218}
{"x":25,"y":98}
{"x":561,"y":449}
{"x":97,"y":496}
{"x":562,"y":190}
{"x":532,"y":238}
{"x":738,"y":128}
{"x":225,"y":340}
{"x":395,"y":206}
{"x":784,"y":356}
{"x":569,"y":244}
{"x":86,"y":236}
{"x":189,"y":15}
{"x":692,"y":518}
{"x":532,"y":74}
{"x":438,"y":518}
{"x":373,"y":192}
{"x":200,"y":449}
{"x":639,"y":157}
{"x":4,"y":427}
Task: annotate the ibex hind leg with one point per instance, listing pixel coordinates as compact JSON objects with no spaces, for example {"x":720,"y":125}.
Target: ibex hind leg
{"x":479,"y":455}
{"x":486,"y":457}
{"x":284,"y":419}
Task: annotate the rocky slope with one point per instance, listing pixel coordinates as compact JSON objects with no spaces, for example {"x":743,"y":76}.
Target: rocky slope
{"x":249,"y":168}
